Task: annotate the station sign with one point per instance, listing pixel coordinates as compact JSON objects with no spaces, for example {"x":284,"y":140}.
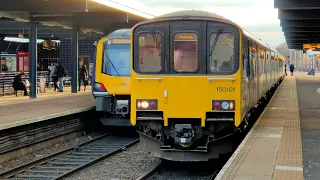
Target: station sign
{"x":311,"y":46}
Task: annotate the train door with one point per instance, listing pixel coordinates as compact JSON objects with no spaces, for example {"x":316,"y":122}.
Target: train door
{"x":257,"y":72}
{"x":260,"y":71}
{"x":268,"y":69}
{"x":253,"y":75}
{"x":246,"y":86}
{"x":264,"y":74}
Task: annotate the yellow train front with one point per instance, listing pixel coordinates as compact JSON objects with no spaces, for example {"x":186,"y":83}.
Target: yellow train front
{"x":111,"y":78}
{"x":194,"y":77}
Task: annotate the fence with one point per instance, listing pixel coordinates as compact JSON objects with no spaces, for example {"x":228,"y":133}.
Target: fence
{"x":6,"y":81}
{"x":43,"y":81}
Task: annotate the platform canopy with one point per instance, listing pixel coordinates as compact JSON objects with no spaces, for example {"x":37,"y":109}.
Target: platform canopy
{"x":300,"y":21}
{"x":56,"y":18}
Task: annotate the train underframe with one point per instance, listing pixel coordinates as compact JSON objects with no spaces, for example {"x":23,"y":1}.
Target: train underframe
{"x":186,"y":140}
{"x":114,"y":110}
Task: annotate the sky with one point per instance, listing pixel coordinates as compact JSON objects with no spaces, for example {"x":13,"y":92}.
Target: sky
{"x":259,"y":17}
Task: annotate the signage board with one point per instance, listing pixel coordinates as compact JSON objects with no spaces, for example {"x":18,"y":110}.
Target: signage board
{"x":311,"y":46}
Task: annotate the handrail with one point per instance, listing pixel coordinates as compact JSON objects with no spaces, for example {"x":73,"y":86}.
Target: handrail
{"x":6,"y":80}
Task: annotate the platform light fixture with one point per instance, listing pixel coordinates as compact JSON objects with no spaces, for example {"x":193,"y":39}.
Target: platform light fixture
{"x":24,"y":40}
{"x":124,"y":8}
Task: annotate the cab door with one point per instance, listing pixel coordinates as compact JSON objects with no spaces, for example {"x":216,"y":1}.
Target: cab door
{"x":187,"y":68}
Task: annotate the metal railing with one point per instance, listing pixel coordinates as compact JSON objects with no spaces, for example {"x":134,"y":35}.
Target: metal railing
{"x":6,"y":81}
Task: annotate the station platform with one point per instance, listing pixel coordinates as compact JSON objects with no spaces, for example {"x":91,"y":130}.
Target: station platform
{"x":21,"y":110}
{"x":284,"y":142}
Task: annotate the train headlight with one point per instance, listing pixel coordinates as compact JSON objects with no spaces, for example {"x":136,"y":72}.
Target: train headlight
{"x":150,"y":104}
{"x":223,"y":105}
{"x":144,"y":104}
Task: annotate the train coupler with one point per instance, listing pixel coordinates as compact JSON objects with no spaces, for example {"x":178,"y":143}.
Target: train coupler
{"x":183,"y":134}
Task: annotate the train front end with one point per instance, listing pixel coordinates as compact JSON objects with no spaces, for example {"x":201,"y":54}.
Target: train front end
{"x":186,"y":86}
{"x":111,"y":86}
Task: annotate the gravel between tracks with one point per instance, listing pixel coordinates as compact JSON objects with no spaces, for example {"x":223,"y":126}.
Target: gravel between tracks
{"x":45,"y":152}
{"x":127,"y":165}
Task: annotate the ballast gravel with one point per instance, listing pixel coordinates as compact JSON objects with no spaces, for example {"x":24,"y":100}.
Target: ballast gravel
{"x":127,"y":165}
{"x":46,"y":152}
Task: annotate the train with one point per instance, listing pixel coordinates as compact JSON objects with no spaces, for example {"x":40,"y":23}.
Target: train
{"x":111,"y":78}
{"x":195,"y":77}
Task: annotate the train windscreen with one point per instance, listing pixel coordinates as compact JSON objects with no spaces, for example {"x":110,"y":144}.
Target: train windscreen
{"x":116,"y":57}
{"x":185,"y":49}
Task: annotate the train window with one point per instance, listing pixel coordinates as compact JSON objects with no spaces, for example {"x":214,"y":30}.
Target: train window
{"x":185,"y":52}
{"x":116,"y":59}
{"x":222,"y":59}
{"x":149,"y":56}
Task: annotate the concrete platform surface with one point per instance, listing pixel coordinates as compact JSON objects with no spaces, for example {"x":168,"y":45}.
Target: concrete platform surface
{"x":272,"y":149}
{"x":16,"y":112}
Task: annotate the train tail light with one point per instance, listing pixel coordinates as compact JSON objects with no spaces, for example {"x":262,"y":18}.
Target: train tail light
{"x":150,"y":104}
{"x":98,"y":87}
{"x":223,"y":105}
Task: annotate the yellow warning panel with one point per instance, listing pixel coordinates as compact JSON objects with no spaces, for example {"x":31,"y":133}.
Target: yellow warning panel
{"x":141,"y":41}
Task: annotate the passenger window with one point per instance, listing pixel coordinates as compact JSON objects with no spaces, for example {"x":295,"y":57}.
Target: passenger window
{"x":185,"y":52}
{"x":222,"y":59}
{"x":149,"y":57}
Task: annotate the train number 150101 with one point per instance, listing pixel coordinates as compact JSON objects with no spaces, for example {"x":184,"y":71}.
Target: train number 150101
{"x":226,"y":89}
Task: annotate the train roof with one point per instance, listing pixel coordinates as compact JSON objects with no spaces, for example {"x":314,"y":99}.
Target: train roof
{"x":119,"y":33}
{"x":194,"y":14}
{"x":190,"y":13}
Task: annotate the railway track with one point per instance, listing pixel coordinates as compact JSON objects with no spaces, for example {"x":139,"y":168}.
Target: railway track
{"x":182,"y":171}
{"x":63,"y":163}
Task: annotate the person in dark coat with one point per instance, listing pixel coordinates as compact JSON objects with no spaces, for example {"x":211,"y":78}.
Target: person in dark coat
{"x":83,"y":75}
{"x":291,"y":67}
{"x":18,"y":84}
{"x":4,"y":68}
{"x":59,"y":73}
{"x":285,"y":69}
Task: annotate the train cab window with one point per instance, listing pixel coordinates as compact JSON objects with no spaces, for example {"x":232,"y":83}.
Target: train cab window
{"x":116,"y":57}
{"x":185,"y":52}
{"x":149,"y":56}
{"x":222,"y":59}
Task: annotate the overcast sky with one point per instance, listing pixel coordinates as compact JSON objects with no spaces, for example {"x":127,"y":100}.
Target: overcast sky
{"x":257,"y":16}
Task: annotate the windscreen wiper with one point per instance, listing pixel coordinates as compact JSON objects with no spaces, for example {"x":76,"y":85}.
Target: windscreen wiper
{"x":153,"y":34}
{"x":112,"y":65}
{"x":215,"y":41}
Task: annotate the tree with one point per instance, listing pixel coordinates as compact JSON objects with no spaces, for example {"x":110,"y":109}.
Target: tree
{"x":283,"y":49}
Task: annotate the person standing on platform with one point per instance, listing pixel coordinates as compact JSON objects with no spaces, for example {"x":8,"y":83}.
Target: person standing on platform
{"x":83,"y":75}
{"x":285,"y":69}
{"x":52,"y":69}
{"x":59,"y":74}
{"x":291,"y":67}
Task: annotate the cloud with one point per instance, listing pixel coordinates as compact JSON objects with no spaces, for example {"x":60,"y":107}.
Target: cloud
{"x":271,"y":38}
{"x":267,"y":27}
{"x":256,"y":16}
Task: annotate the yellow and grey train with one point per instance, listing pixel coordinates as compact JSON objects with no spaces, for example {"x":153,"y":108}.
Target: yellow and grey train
{"x":194,"y":78}
{"x":111,"y":78}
